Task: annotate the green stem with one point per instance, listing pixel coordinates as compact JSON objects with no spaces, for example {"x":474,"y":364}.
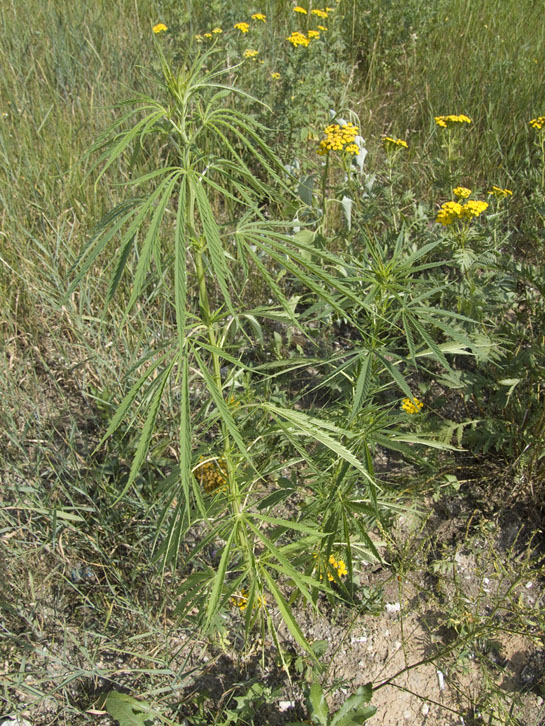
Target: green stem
{"x":324,"y":191}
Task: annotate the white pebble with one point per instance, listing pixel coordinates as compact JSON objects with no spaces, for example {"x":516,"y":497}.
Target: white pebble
{"x":425,"y":709}
{"x":393,"y":607}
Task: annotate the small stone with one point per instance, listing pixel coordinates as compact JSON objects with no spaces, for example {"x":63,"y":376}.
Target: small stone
{"x":407,"y":715}
{"x":425,"y":709}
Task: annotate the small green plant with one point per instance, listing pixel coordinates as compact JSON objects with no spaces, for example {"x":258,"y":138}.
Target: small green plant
{"x":355,"y":710}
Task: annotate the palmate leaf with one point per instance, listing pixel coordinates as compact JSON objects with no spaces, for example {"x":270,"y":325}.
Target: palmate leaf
{"x":164,"y":193}
{"x":125,"y":404}
{"x":317,"y":430}
{"x":287,"y":615}
{"x":222,"y":407}
{"x":213,"y":242}
{"x":147,"y":431}
{"x":215,"y":597}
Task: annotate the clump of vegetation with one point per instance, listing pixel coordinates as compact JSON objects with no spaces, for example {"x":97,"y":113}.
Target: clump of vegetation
{"x":273,"y":302}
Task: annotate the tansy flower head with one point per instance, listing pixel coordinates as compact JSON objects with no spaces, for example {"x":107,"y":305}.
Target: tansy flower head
{"x":299,"y":9}
{"x":473,"y":209}
{"x":452,"y":120}
{"x":211,"y":475}
{"x":297,"y":38}
{"x":243,"y":27}
{"x":250,"y":53}
{"x":339,"y":138}
{"x":537,"y":123}
{"x":500,"y":193}
{"x":322,"y":28}
{"x":461,"y":192}
{"x":240,"y":599}
{"x":259,"y":16}
{"x":275,"y":76}
{"x":207,"y":35}
{"x":159,"y":28}
{"x":391,"y":144}
{"x":319,"y":13}
{"x":449,"y":213}
{"x":217,"y":30}
{"x":313,"y":34}
{"x":411,"y":406}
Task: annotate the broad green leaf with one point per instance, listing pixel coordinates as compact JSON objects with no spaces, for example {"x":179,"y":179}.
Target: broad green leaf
{"x":319,"y":711}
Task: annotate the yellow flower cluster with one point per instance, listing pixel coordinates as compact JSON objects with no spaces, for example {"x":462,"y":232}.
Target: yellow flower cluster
{"x":391,"y":144}
{"x":461,"y":192}
{"x":500,"y":193}
{"x":211,"y":475}
{"x":473,"y":209}
{"x":243,"y":27}
{"x":319,"y":13}
{"x":453,"y":211}
{"x":275,"y":76}
{"x":299,"y":9}
{"x":452,"y":120}
{"x":414,"y":405}
{"x":259,"y":16}
{"x":240,"y":600}
{"x":313,"y":34}
{"x":159,"y":28}
{"x":297,"y":38}
{"x":215,"y":31}
{"x":334,"y":564}
{"x":537,"y":123}
{"x":339,"y":138}
{"x":250,"y":53}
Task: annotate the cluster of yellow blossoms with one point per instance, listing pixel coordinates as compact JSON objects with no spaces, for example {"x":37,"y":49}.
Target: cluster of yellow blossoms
{"x":250,"y":53}
{"x":243,"y":27}
{"x":452,"y":120}
{"x":240,"y":600}
{"x":297,"y":38}
{"x":537,"y":123}
{"x":211,"y":475}
{"x":451,"y":212}
{"x":316,"y":11}
{"x":411,"y":406}
{"x":159,"y":28}
{"x":337,"y":565}
{"x":391,"y":144}
{"x":215,"y":31}
{"x":500,"y":193}
{"x":339,"y":138}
